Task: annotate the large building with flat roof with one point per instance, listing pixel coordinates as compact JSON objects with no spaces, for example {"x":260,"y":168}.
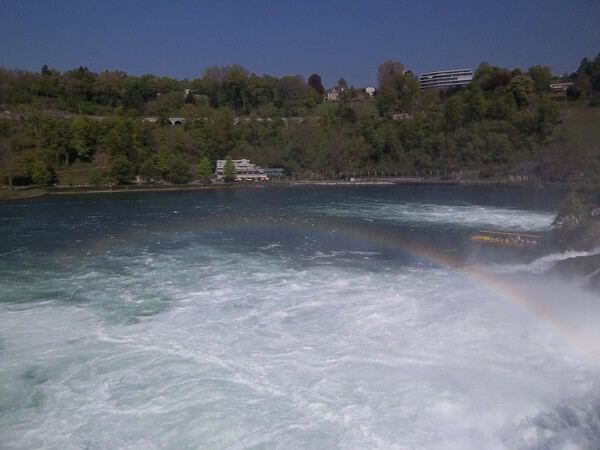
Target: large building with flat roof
{"x":444,"y":79}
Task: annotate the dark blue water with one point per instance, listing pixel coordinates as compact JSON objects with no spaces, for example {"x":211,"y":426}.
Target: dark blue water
{"x":444,"y":213}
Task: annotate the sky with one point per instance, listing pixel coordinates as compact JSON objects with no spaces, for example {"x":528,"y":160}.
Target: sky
{"x":349,"y":39}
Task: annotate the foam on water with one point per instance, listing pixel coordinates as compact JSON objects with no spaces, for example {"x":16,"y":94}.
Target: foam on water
{"x":539,"y":265}
{"x":443,"y":214}
{"x":203,"y":346}
{"x":148,"y":322}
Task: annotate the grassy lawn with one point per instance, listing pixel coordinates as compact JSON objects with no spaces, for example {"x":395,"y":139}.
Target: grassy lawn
{"x":581,"y":125}
{"x":79,"y":174}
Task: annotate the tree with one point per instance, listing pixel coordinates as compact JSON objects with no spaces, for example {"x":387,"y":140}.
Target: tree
{"x":204,"y":169}
{"x":40,"y":173}
{"x":229,"y":170}
{"x":541,"y":76}
{"x":45,"y":70}
{"x":179,"y":170}
{"x":294,"y":96}
{"x":133,"y":99}
{"x":397,"y":88}
{"x":454,"y":112}
{"x":547,"y":114}
{"x":149,"y":169}
{"x":56,"y":138}
{"x":345,"y":112}
{"x":521,"y":87}
{"x":314,"y":81}
{"x":167,"y":104}
{"x":121,"y":169}
{"x":83,"y":139}
{"x":476,"y":105}
{"x":387,"y":72}
{"x":162,"y":160}
{"x":490,"y":78}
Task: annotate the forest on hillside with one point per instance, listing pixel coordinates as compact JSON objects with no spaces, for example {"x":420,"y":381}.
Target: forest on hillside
{"x":85,"y":127}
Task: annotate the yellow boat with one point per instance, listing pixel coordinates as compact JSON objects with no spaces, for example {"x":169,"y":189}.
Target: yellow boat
{"x":506,"y":239}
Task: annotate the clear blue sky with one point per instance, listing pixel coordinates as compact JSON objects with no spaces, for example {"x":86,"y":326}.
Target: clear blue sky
{"x":333,"y":38}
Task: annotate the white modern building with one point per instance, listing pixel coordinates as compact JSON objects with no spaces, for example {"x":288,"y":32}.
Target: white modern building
{"x":244,"y":170}
{"x":561,"y":87}
{"x":444,"y":79}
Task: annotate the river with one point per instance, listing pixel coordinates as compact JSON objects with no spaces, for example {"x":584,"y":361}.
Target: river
{"x":307,"y":317}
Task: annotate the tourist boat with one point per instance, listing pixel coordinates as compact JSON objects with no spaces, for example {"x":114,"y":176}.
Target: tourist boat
{"x":503,"y":238}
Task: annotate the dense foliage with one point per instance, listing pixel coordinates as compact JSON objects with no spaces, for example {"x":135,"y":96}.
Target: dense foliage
{"x":58,"y":125}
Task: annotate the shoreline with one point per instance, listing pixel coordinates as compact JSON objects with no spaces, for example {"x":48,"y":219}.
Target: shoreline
{"x":36,"y":192}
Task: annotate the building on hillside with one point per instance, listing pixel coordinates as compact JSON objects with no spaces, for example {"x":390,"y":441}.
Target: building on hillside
{"x":560,"y":87}
{"x":402,"y":116}
{"x":370,"y":90}
{"x":333,"y":94}
{"x":244,"y":170}
{"x":526,"y":171}
{"x":444,"y":79}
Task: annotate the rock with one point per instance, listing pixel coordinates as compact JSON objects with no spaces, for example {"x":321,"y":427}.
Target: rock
{"x":579,"y":266}
{"x":584,"y":237}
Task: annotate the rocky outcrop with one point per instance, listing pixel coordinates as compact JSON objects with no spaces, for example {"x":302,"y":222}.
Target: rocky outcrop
{"x":578,"y":266}
{"x":580,"y":232}
{"x":581,"y":267}
{"x":583,"y":236}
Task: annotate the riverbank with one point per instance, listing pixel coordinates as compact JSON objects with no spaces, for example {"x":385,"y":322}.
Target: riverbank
{"x":120,"y":189}
{"x":20,"y":194}
{"x":33,"y":192}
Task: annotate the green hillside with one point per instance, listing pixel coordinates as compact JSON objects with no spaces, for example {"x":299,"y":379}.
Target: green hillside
{"x":573,"y":155}
{"x":81,"y":127}
{"x":581,"y":126}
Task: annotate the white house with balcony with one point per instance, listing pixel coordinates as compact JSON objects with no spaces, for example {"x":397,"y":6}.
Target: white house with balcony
{"x":244,"y":170}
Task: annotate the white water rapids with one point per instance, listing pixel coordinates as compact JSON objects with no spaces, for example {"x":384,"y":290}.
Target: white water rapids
{"x":201,"y":345}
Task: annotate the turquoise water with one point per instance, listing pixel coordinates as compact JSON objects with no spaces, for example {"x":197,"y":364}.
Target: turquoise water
{"x":289,"y":318}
